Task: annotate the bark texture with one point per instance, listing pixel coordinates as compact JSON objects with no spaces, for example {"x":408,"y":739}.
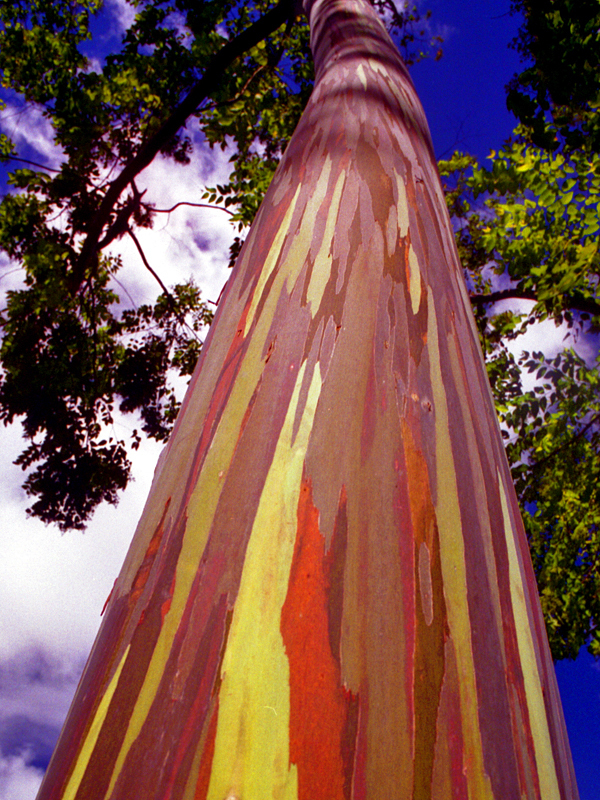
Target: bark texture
{"x":329,"y":595}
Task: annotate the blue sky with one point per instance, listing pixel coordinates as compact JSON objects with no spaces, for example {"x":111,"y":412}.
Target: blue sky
{"x":52,"y":587}
{"x":464,"y":97}
{"x":463,"y":94}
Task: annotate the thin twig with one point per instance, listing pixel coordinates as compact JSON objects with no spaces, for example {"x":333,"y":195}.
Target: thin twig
{"x":211,"y":107}
{"x":170,"y":297}
{"x":29,"y":161}
{"x":154,"y":274}
{"x":11,"y":272}
{"x":122,"y":285}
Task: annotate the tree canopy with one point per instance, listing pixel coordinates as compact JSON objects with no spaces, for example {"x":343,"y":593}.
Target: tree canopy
{"x":556,"y":95}
{"x":241,"y":73}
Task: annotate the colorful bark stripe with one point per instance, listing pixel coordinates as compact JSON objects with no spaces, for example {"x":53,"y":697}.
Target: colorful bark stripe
{"x":328,"y":596}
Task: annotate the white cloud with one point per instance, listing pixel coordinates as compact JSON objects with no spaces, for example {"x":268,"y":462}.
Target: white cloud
{"x":18,"y":779}
{"x":29,"y":128}
{"x":11,"y":274}
{"x":123,"y":13}
{"x":94,"y":64}
{"x":53,"y":587}
{"x":35,"y":693}
{"x":188,"y":241}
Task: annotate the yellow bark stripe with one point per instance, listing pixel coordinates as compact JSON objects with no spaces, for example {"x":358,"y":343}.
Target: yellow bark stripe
{"x":402,"y":205}
{"x":452,"y":554}
{"x":251,"y":757}
{"x":94,"y":731}
{"x":271,"y":259}
{"x":414,"y":285}
{"x":546,"y":767}
{"x":324,"y":260}
{"x":201,"y":508}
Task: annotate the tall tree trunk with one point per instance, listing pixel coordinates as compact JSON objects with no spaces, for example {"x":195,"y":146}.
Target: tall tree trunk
{"x":329,"y":595}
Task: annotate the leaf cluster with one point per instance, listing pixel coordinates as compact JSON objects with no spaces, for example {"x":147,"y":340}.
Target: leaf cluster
{"x":557,"y":95}
{"x":529,"y":224}
{"x":410,"y":30}
{"x":69,"y":362}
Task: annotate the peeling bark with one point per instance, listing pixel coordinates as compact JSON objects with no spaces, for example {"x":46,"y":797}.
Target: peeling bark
{"x":329,"y":594}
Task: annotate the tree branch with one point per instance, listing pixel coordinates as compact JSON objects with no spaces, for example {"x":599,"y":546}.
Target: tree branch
{"x":186,"y":203}
{"x":267,"y":24}
{"x":154,"y":274}
{"x":585,"y":305}
{"x":29,"y":161}
{"x":121,"y":224}
{"x":237,"y":96}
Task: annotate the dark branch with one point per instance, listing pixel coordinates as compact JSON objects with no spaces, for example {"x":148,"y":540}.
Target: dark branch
{"x":154,"y":274}
{"x":185,"y":203}
{"x":267,"y":24}
{"x":121,"y":224}
{"x":29,"y":161}
{"x":583,"y":304}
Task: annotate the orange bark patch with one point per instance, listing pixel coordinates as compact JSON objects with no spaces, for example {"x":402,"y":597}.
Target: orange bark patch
{"x":166,"y":605}
{"x":145,"y":567}
{"x":320,"y":708}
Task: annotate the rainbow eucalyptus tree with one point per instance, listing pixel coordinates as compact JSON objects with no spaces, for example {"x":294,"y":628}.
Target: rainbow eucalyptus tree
{"x":329,"y":595}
